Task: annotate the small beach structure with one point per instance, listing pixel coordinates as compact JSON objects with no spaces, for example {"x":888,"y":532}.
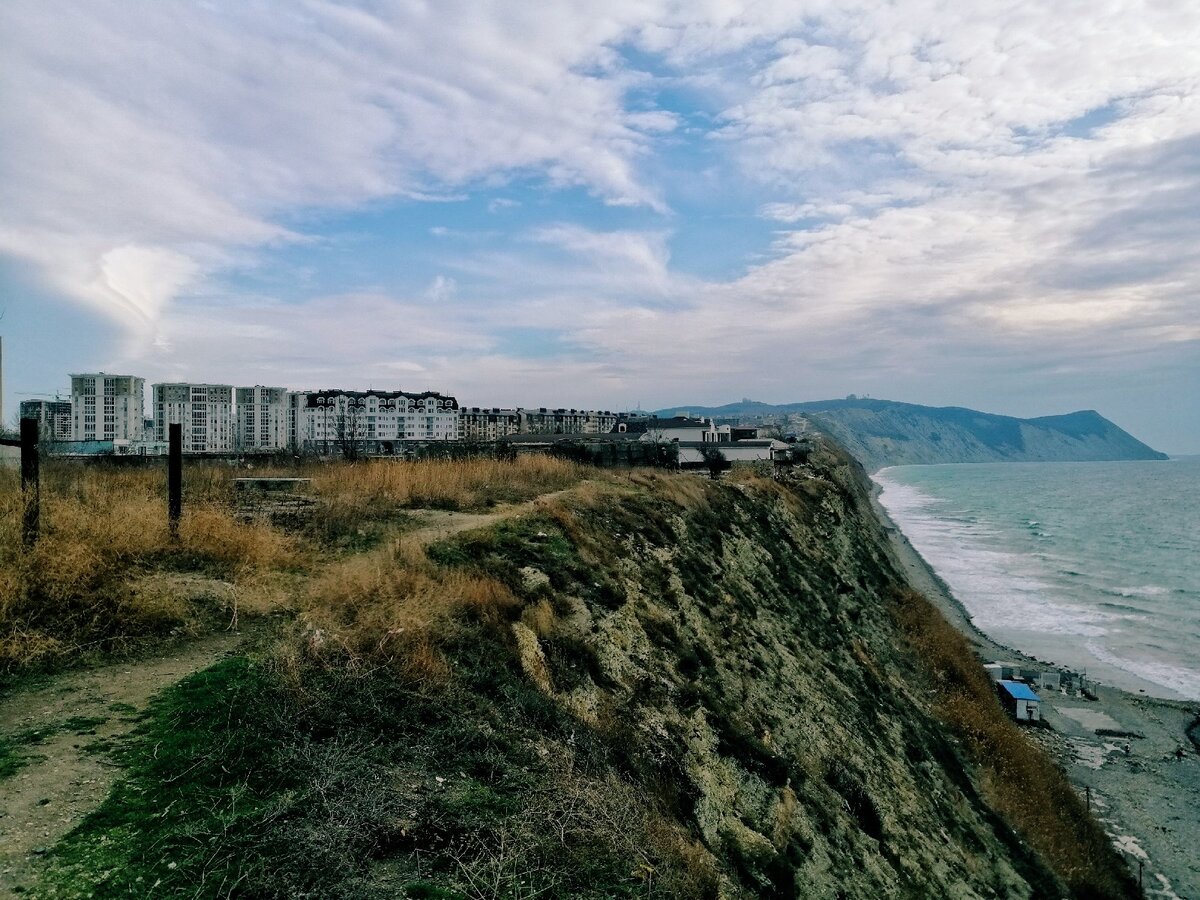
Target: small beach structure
{"x":1047,"y":680}
{"x":1003,"y":671}
{"x":1019,"y":701}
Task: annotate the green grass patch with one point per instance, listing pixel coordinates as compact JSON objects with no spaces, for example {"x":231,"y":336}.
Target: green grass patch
{"x":335,"y":784}
{"x":15,"y":752}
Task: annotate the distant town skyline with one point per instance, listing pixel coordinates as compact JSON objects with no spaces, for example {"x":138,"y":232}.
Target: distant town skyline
{"x":663,"y":205}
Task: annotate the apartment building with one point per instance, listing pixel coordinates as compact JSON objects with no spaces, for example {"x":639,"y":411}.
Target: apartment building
{"x":53,"y":418}
{"x":262,"y":418}
{"x":107,"y":407}
{"x":204,"y":410}
{"x":488,"y":424}
{"x":331,"y":421}
{"x":566,"y":421}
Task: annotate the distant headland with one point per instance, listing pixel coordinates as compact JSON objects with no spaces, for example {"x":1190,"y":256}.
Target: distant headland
{"x":887,"y":433}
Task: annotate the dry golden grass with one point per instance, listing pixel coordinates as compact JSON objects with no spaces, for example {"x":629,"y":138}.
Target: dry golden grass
{"x":443,"y":484}
{"x":104,"y":528}
{"x":101,"y":529}
{"x":392,"y":606}
{"x":1019,"y":778}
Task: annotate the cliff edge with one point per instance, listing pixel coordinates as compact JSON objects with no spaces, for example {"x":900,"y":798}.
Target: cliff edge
{"x":646,"y":685}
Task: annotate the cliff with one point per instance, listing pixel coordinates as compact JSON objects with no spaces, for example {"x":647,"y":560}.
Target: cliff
{"x":885,"y":433}
{"x":646,"y":685}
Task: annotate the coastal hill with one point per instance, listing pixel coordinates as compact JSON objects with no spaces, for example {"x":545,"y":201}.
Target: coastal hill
{"x":520,"y":678}
{"x":887,"y":433}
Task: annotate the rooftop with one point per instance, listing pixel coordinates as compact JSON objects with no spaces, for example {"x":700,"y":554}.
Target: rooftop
{"x":1019,"y":691}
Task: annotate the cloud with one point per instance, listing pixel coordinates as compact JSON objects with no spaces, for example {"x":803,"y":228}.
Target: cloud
{"x":638,"y":256}
{"x":441,"y":289}
{"x":192,"y":130}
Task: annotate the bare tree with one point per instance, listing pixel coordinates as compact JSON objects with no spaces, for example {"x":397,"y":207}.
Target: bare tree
{"x":349,"y":424}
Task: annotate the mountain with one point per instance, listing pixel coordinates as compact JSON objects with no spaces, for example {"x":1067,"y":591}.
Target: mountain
{"x":886,"y":433}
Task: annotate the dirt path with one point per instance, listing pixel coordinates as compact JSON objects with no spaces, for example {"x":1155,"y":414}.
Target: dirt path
{"x":439,"y":524}
{"x":67,"y":729}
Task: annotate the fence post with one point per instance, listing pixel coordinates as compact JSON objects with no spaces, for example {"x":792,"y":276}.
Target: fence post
{"x":30,"y":482}
{"x":175,"y":478}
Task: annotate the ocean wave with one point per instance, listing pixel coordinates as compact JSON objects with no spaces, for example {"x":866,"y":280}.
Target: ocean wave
{"x":1148,"y":590}
{"x":1182,"y":680}
{"x":1081,"y":561}
{"x":1127,"y":612}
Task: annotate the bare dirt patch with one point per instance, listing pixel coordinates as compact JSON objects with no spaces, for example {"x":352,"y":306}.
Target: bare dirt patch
{"x":68,"y":730}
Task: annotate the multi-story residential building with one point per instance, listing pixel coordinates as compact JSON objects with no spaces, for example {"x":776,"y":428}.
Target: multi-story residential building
{"x":204,"y":410}
{"x":107,"y":407}
{"x":488,"y":424}
{"x":53,"y":416}
{"x":336,"y":421}
{"x":483,"y":424}
{"x":566,"y":421}
{"x":262,"y":418}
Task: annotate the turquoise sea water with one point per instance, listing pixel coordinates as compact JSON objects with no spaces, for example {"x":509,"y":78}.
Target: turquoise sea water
{"x":1094,"y":566}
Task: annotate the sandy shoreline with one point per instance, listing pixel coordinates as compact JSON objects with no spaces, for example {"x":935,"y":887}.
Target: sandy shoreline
{"x":1147,"y":798}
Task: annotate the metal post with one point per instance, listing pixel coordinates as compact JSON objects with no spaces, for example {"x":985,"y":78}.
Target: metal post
{"x":1089,"y":797}
{"x":175,"y":478}
{"x":30,"y":483}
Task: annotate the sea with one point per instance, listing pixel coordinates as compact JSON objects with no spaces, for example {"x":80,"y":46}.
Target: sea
{"x":1092,"y":566}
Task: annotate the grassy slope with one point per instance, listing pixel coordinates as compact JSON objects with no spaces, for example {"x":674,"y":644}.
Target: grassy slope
{"x":658,"y":687}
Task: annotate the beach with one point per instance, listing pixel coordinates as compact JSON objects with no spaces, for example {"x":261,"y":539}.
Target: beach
{"x":1121,"y":749}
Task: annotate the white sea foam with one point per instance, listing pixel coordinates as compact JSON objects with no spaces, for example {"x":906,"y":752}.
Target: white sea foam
{"x":1147,"y":590}
{"x":1087,"y":564}
{"x":996,"y":586}
{"x":1180,"y":679}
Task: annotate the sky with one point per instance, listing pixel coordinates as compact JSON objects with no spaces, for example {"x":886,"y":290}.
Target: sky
{"x":639,"y":203}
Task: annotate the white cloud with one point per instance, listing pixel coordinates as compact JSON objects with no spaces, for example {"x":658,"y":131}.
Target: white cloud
{"x":633,"y":256}
{"x":195,"y":129}
{"x":441,"y":289}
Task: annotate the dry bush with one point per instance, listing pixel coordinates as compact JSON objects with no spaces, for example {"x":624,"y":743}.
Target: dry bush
{"x":582,"y":822}
{"x":213,"y":533}
{"x":1019,"y":779}
{"x":102,"y":529}
{"x":539,"y":618}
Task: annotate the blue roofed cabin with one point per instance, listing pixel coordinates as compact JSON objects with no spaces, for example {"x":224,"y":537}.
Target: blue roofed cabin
{"x":1019,"y":701}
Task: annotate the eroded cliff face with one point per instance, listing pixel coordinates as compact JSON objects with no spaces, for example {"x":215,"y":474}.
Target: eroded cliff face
{"x":734,"y":640}
{"x":648,"y":685}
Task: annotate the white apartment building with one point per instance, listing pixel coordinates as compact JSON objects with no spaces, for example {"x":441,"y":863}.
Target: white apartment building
{"x":262,"y":418}
{"x":330,"y":421}
{"x":204,"y":410}
{"x":53,"y":417}
{"x":107,"y":407}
